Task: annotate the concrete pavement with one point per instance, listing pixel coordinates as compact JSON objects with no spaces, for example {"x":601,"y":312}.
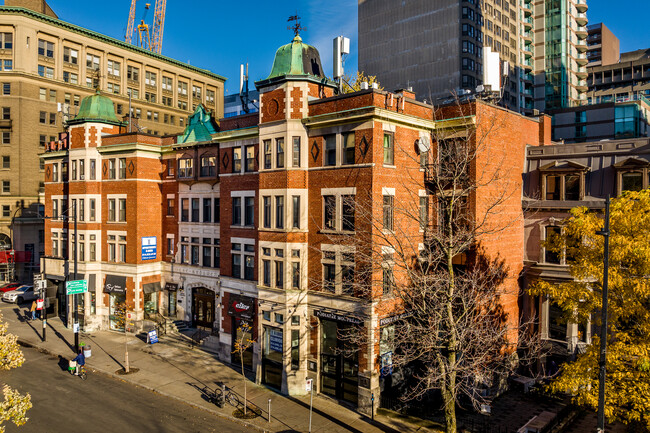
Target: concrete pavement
{"x":182,"y":373}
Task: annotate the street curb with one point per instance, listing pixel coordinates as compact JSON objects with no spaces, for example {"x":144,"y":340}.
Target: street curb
{"x":26,"y":343}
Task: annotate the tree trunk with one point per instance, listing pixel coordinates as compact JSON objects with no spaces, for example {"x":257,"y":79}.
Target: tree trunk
{"x":450,"y":410}
{"x":243,"y":375}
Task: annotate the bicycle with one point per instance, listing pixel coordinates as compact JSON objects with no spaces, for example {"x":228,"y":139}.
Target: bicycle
{"x":72,"y":369}
{"x":231,"y":398}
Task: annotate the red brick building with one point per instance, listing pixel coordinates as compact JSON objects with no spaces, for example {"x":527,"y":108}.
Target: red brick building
{"x":258,"y":221}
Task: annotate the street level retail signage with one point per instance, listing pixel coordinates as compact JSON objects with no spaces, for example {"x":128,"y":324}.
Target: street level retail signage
{"x":275,"y":339}
{"x":171,"y":287}
{"x":388,"y":320}
{"x":241,"y":306}
{"x":115,"y":284}
{"x":149,"y":247}
{"x":338,"y":317}
{"x":75,"y":287}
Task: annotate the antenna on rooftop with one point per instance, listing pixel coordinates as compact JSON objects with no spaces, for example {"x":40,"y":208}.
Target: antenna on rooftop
{"x":243,"y":87}
{"x":341,"y":49}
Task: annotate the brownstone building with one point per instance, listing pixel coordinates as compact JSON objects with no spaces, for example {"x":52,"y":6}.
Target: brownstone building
{"x":258,"y":221}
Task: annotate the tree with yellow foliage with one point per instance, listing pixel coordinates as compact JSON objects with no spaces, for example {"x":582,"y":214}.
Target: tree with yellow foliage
{"x":353,"y":83}
{"x":15,"y":405}
{"x":627,"y":389}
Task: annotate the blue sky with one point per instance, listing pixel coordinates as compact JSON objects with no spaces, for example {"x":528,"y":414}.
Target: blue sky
{"x":221,"y":35}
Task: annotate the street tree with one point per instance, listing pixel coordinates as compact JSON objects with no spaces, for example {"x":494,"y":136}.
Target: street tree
{"x":627,"y":386}
{"x":15,"y":405}
{"x":242,"y":344}
{"x":435,"y":255}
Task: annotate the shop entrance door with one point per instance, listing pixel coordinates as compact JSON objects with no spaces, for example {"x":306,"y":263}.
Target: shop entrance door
{"x":202,"y":307}
{"x":339,"y":373}
{"x":171,"y":304}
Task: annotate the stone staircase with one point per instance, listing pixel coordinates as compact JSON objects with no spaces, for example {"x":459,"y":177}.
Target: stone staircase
{"x":179,"y":334}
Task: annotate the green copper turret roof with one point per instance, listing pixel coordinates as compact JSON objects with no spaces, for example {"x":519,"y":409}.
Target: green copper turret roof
{"x":96,"y":108}
{"x":297,"y":58}
{"x":199,"y":127}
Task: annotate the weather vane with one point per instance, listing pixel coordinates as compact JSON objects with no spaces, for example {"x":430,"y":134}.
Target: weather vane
{"x":296,"y":27}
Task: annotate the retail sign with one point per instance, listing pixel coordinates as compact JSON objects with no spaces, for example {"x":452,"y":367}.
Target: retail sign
{"x":337,"y":317}
{"x":171,"y":287}
{"x":241,"y":306}
{"x":386,"y":364}
{"x":149,"y":247}
{"x":76,"y":287}
{"x":115,"y":284}
{"x":275,"y":340}
{"x":388,"y":320}
{"x":152,"y":336}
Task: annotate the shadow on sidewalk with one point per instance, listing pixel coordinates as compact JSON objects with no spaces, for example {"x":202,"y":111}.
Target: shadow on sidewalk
{"x":28,"y":322}
{"x":94,"y":341}
{"x":341,"y":423}
{"x":61,"y":337}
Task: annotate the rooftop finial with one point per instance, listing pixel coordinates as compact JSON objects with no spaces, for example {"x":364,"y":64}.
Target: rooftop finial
{"x":296,"y":27}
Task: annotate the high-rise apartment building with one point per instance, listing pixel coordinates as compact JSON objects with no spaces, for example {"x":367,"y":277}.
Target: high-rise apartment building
{"x":437,"y":48}
{"x":559,"y":36}
{"x":47,"y":66}
{"x":603,"y":47}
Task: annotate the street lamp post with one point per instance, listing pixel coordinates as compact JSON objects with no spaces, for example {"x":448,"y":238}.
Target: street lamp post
{"x":75,"y":326}
{"x":603,"y":332}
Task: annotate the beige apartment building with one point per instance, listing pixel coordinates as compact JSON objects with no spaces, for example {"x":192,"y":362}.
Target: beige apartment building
{"x":47,"y":66}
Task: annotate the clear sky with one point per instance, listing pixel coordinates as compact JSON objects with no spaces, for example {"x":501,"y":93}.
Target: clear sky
{"x":221,"y":35}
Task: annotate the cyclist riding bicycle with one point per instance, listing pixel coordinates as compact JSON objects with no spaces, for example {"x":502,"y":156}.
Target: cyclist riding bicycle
{"x":80,"y":360}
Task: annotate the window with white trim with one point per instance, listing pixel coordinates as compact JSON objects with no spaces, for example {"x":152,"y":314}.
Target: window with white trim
{"x":338,"y":269}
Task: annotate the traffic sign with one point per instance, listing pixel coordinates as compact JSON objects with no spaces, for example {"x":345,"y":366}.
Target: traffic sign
{"x":308,"y":385}
{"x":75,"y":287}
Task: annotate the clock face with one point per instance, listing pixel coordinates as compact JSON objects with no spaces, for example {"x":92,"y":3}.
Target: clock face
{"x":273,"y":107}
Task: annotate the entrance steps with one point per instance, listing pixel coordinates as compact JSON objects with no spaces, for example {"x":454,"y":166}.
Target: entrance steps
{"x":185,"y":337}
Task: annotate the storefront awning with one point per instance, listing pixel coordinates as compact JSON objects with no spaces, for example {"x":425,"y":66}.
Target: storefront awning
{"x":151,"y":287}
{"x":115,"y":284}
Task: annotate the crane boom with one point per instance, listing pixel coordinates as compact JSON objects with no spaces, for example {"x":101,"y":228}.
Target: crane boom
{"x":158,"y":26}
{"x":131,"y":24}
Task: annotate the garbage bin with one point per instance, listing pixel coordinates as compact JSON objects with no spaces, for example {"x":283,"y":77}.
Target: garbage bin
{"x":87,"y":352}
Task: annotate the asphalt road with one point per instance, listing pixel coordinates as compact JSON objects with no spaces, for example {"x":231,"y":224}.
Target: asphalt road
{"x":65,"y":403}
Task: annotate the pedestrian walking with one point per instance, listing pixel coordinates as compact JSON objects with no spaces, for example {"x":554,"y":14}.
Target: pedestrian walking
{"x":33,"y":310}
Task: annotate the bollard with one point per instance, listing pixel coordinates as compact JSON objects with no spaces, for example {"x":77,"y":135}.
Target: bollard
{"x":269,"y":410}
{"x":372,"y":406}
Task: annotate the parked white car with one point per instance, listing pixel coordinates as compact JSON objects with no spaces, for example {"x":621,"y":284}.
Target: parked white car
{"x":20,"y":295}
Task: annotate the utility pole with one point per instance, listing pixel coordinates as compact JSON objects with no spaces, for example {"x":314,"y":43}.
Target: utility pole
{"x":75,"y":326}
{"x":603,"y":331}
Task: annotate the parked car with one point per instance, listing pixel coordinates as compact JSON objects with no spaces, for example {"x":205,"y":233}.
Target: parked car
{"x":20,"y":295}
{"x":9,"y":287}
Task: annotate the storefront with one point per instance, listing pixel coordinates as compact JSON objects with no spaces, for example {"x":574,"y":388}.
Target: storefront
{"x":272,"y":350}
{"x":151,"y":291}
{"x":339,"y":372}
{"x":390,"y":378}
{"x":242,"y":312}
{"x":115,"y":286}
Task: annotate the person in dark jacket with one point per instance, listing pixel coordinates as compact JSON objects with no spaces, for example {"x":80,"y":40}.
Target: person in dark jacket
{"x":80,"y":360}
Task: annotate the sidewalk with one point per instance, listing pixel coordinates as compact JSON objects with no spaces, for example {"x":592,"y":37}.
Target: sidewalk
{"x":181,"y":374}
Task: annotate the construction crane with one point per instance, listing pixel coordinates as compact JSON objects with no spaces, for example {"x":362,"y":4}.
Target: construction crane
{"x":150,"y":40}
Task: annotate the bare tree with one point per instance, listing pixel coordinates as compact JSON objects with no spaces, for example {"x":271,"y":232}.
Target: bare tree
{"x":434,"y":255}
{"x":242,"y":344}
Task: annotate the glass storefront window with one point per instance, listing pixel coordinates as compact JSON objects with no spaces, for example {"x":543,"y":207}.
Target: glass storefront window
{"x":117,"y":311}
{"x":151,"y":303}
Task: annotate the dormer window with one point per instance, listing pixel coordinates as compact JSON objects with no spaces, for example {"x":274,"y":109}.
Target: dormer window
{"x":563,"y":181}
{"x":632,"y":175}
{"x":185,"y":167}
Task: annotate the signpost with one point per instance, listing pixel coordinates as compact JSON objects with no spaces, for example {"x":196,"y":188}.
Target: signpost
{"x":310,"y":388}
{"x":76,"y":287}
